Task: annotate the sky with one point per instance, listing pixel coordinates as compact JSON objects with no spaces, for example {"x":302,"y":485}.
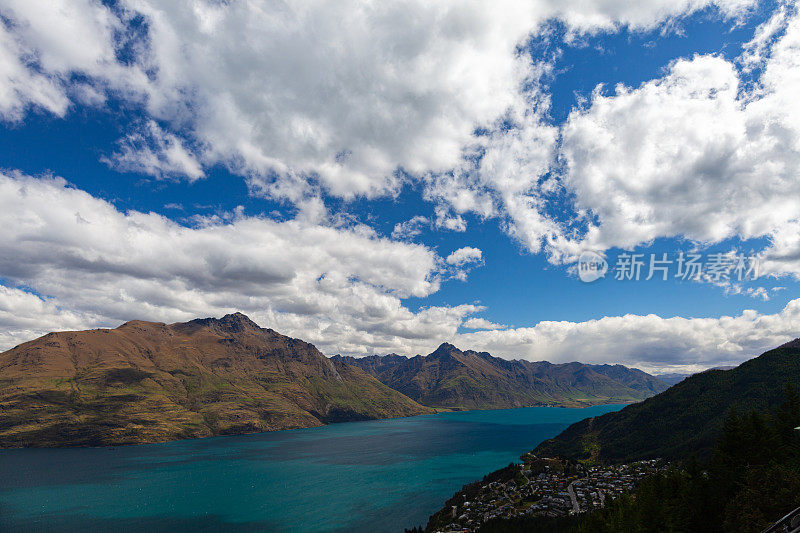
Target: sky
{"x":382,"y":177}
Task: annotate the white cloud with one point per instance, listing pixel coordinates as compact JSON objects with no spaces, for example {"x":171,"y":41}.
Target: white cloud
{"x":339,"y":94}
{"x":684,"y":156}
{"x":462,"y":261}
{"x":68,"y":36}
{"x":339,"y":287}
{"x":501,"y":173}
{"x":21,"y":87}
{"x":649,"y":342}
{"x":410,"y":228}
{"x":481,"y":323}
{"x":346,"y":91}
{"x":153,"y":151}
{"x":25,"y":316}
{"x":449,"y":221}
{"x":757,"y":51}
{"x":695,"y":154}
{"x":782,"y":255}
{"x":692,"y":154}
{"x":47,"y":45}
{"x":758,"y":292}
{"x":464,"y":256}
{"x":343,"y":93}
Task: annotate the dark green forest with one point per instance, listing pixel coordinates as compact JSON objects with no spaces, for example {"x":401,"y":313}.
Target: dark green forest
{"x":686,"y":419}
{"x":751,"y":480}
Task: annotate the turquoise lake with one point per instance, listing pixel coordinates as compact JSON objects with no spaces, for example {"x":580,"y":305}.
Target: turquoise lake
{"x":363,"y":476}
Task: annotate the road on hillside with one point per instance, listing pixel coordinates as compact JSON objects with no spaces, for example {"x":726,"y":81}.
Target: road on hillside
{"x":571,"y":490}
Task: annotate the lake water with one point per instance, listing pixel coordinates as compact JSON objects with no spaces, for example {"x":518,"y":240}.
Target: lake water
{"x":363,"y":476}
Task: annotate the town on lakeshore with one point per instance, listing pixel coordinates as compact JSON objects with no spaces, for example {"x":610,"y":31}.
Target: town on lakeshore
{"x":540,"y":486}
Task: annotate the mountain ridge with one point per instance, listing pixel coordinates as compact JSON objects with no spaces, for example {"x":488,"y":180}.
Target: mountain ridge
{"x":686,"y":418}
{"x":455,"y":379}
{"x":151,"y":382}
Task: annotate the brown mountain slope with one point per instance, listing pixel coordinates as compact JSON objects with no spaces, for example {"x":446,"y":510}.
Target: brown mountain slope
{"x":451,"y":378}
{"x":150,"y":382}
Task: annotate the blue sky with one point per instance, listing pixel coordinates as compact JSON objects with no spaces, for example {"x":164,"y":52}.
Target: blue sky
{"x":290,"y":157}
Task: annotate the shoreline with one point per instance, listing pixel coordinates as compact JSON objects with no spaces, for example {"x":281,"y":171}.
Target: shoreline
{"x":438,"y":412}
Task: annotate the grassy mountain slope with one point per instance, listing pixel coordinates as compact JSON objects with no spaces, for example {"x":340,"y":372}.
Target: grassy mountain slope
{"x":150,"y":382}
{"x":685,"y":419}
{"x":450,"y":378}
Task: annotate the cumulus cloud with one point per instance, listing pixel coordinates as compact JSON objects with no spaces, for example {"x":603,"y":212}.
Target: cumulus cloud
{"x":465,"y":255}
{"x":685,"y":156}
{"x":481,"y":323}
{"x":25,"y":316}
{"x":782,"y":255}
{"x":649,"y":342}
{"x":461,"y":261}
{"x":47,"y":50}
{"x":20,"y":87}
{"x":338,"y":286}
{"x":336,"y":94}
{"x":153,"y":151}
{"x":410,"y":228}
{"x":448,"y":221}
{"x":501,"y":175}
{"x":696,"y":154}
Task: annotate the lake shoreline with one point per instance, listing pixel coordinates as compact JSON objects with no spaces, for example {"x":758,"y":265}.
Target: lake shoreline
{"x":438,"y":412}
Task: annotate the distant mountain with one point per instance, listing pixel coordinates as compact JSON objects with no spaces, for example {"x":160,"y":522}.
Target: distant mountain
{"x":455,"y":379}
{"x":673,"y":378}
{"x":685,"y":419}
{"x":632,"y":377}
{"x":150,"y":382}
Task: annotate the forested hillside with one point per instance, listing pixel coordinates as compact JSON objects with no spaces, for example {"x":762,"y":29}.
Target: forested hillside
{"x":685,"y":419}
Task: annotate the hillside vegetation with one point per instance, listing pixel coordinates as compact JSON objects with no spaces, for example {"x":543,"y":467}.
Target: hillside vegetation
{"x":685,"y":419}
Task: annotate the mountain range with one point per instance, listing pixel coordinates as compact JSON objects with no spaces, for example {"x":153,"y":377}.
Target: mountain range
{"x":687,"y":418}
{"x":454,"y":379}
{"x":151,"y":382}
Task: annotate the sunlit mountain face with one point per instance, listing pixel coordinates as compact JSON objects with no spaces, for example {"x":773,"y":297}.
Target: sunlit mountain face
{"x":542,"y":181}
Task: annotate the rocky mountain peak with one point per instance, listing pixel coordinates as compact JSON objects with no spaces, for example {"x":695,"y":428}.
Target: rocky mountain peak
{"x":232,"y":323}
{"x":445,"y":349}
{"x":238,"y":321}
